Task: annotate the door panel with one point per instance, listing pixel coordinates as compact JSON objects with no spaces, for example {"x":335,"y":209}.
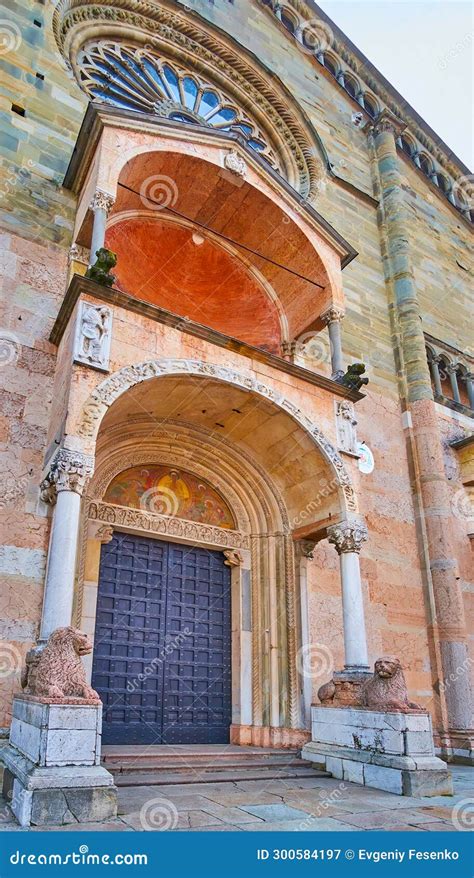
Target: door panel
{"x":162,"y":650}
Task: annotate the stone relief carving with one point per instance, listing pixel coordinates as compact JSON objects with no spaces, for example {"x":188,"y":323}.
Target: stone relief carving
{"x":346,"y":424}
{"x":56,"y":674}
{"x":384,"y":690}
{"x":93,"y":335}
{"x":235,"y":163}
{"x":162,"y":524}
{"x":348,"y":537}
{"x":68,"y":471}
{"x":109,"y":390}
{"x":78,"y":254}
{"x":233,"y":558}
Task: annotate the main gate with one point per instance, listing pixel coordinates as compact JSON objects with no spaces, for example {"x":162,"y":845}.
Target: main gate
{"x":162,"y":648}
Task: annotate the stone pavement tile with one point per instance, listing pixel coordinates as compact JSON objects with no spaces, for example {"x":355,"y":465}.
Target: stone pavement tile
{"x":195,"y":819}
{"x":243,"y":798}
{"x":275,"y":812}
{"x":195,"y":789}
{"x":308,"y":825}
{"x":230,"y":815}
{"x":223,"y":827}
{"x":384,"y":819}
{"x":269,"y":786}
{"x":316,"y":808}
{"x":437,"y":812}
{"x":438,"y":826}
{"x":110,"y":826}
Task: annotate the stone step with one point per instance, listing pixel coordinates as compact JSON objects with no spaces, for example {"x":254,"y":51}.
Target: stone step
{"x":173,"y":753}
{"x":149,"y":761}
{"x":203,"y":765}
{"x":208,"y":775}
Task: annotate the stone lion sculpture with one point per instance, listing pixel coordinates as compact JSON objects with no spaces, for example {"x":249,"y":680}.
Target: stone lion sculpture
{"x":57,"y":670}
{"x":387,"y":689}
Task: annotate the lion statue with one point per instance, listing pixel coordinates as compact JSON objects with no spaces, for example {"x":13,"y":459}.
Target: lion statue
{"x":57,"y":670}
{"x":101,"y":270}
{"x":387,"y":689}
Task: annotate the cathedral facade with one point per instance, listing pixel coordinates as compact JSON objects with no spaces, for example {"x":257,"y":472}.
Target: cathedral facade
{"x":212,"y":214}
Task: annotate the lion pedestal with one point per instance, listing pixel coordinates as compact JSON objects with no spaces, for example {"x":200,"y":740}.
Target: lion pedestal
{"x":52,"y":762}
{"x":383,"y":740}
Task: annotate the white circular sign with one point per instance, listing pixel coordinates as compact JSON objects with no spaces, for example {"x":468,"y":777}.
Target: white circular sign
{"x":366,"y":459}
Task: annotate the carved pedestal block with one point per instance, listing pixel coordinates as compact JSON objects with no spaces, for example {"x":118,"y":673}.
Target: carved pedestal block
{"x":52,"y":764}
{"x":391,"y":751}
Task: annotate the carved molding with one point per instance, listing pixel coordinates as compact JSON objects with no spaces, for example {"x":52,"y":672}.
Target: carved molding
{"x":119,"y":382}
{"x":102,"y":201}
{"x":68,"y":471}
{"x":348,"y":536}
{"x":182,"y":37}
{"x":153,"y":523}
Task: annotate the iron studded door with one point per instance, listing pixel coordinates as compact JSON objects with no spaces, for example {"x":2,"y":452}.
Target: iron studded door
{"x":162,"y":650}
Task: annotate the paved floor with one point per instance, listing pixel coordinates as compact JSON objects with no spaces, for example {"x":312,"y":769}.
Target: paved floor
{"x":300,"y":804}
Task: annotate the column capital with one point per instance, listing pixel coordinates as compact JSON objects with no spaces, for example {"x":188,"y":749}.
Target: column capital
{"x":101,"y":201}
{"x":386,"y":121}
{"x":332,"y":315}
{"x":348,"y":536}
{"x":452,"y":368}
{"x":69,"y":471}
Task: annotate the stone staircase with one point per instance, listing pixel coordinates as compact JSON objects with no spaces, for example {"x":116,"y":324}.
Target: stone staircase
{"x":153,"y":765}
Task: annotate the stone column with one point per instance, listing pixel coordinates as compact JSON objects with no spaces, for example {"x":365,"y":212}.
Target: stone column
{"x":446,"y":618}
{"x":100,"y":206}
{"x":62,"y":486}
{"x":452,"y":372}
{"x":434,"y":368}
{"x":332,"y":318}
{"x":470,"y":388}
{"x":348,"y":538}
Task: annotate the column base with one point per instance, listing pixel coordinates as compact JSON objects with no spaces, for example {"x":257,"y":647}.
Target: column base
{"x":387,"y":751}
{"x":268,"y":736}
{"x":456,"y":746}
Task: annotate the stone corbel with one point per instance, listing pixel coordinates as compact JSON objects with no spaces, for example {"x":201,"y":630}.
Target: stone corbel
{"x":69,"y":471}
{"x":233,"y":558}
{"x":234,"y":163}
{"x":305,"y":549}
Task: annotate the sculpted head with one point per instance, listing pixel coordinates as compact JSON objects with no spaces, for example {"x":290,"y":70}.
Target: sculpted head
{"x":387,"y":666}
{"x":69,"y":636}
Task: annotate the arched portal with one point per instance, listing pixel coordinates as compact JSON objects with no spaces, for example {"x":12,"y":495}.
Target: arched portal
{"x":270,"y":466}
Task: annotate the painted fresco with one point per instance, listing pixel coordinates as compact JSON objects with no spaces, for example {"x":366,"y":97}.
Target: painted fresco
{"x":169,"y":491}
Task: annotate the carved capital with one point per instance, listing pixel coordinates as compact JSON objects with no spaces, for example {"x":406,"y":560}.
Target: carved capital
{"x":235,"y":163}
{"x":386,"y":121}
{"x":69,"y":471}
{"x":102,"y":201}
{"x":332,"y":315}
{"x":289,"y":349}
{"x":348,"y":537}
{"x":452,"y":368}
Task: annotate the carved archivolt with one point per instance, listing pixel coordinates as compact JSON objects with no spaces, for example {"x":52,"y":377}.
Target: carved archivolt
{"x":113,"y":387}
{"x":180,"y":37}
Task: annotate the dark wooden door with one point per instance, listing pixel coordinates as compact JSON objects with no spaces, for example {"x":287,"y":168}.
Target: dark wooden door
{"x":162,"y":648}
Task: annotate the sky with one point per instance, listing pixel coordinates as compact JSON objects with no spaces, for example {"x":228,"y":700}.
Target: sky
{"x":425,"y":50}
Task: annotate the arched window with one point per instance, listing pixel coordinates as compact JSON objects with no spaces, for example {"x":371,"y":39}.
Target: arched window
{"x":330,"y":63}
{"x":136,"y":79}
{"x":289,"y":21}
{"x":443,"y":183}
{"x":425,"y":163}
{"x":407,"y":145}
{"x":370,"y":105}
{"x":351,"y":85}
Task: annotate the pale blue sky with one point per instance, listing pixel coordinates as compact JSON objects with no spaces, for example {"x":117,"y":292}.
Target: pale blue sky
{"x":425,"y":49}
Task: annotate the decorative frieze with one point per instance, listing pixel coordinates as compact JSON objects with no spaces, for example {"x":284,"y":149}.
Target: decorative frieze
{"x":93,"y":335}
{"x":155,"y":523}
{"x":348,"y":536}
{"x":69,"y":471}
